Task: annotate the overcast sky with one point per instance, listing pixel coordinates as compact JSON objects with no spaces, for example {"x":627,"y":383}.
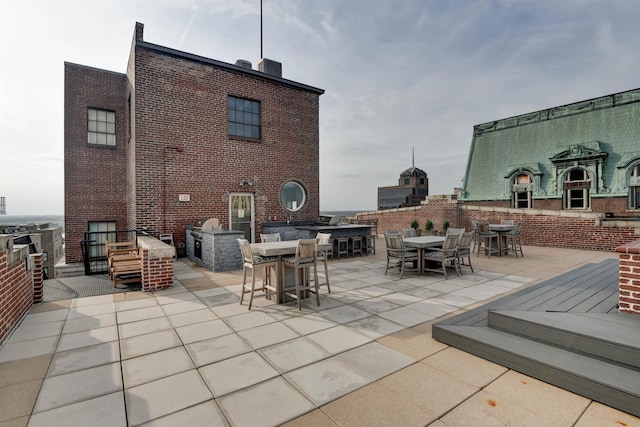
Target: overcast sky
{"x":397,"y":74}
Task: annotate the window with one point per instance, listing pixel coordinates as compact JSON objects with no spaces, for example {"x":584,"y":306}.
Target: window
{"x":243,"y":117}
{"x":634,"y":187}
{"x":576,"y":189}
{"x":292,"y":196}
{"x":521,"y":191}
{"x":45,"y":256}
{"x":101,"y":232}
{"x":101,"y":127}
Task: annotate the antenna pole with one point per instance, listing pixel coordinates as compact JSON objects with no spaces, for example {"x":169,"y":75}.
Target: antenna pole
{"x":261,"y":55}
{"x":413,"y":156}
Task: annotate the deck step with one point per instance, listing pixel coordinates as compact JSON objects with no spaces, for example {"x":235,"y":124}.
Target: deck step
{"x":608,"y":383}
{"x":611,"y":337}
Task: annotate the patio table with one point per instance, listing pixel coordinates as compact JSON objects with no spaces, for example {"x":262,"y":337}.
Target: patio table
{"x":280,"y":249}
{"x":422,"y":243}
{"x":502,"y":230}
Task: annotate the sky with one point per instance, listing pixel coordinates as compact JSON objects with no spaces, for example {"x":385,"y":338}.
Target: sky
{"x":405,"y":80}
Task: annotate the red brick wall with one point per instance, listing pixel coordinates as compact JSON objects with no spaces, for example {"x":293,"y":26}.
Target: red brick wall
{"x":629,"y":281}
{"x":157,"y":273}
{"x":38,"y":278}
{"x":179,"y":102}
{"x":16,"y":294}
{"x":616,"y":205}
{"x":93,"y":176}
{"x":182,"y":102}
{"x":553,"y":229}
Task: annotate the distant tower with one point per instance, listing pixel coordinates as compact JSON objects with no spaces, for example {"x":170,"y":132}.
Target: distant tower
{"x":412,"y":188}
{"x":3,"y":208}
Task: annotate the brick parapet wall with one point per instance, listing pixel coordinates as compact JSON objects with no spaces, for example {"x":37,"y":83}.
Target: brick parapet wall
{"x":16,"y":292}
{"x":37,"y":261}
{"x":551,"y":228}
{"x":157,"y":273}
{"x":629,"y":278}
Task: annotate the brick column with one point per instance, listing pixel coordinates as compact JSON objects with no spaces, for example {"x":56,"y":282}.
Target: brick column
{"x":157,"y":273}
{"x":629,"y":278}
{"x":37,"y":278}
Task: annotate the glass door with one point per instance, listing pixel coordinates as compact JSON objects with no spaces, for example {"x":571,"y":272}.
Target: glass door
{"x":241,"y":214}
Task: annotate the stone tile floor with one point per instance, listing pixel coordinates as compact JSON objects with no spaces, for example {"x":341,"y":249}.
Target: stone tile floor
{"x":192,"y":355}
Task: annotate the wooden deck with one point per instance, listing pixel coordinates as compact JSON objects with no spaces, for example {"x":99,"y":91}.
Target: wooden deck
{"x":565,"y":331}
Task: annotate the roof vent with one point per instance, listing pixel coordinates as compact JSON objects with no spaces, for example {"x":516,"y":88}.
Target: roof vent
{"x":271,"y":67}
{"x":243,"y":63}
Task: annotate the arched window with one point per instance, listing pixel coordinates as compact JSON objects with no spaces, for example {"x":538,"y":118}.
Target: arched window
{"x":521,"y":191}
{"x":634,"y":187}
{"x":576,"y":189}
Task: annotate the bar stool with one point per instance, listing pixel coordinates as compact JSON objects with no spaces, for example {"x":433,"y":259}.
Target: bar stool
{"x":369,"y":244}
{"x":356,"y":245}
{"x":342,"y":246}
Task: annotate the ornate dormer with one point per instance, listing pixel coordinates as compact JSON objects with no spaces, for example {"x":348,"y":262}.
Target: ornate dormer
{"x":587,"y":156}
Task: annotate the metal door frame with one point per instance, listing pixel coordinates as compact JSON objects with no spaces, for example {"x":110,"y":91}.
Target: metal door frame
{"x":253,"y":215}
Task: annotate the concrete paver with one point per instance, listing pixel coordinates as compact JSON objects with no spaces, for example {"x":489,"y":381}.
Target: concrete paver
{"x":364,"y":357}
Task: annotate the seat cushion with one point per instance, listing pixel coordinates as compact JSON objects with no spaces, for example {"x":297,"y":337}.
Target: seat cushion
{"x":264,"y":259}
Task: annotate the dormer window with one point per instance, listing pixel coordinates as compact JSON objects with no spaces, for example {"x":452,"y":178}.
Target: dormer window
{"x":521,"y":191}
{"x":634,"y":187}
{"x":576,"y":189}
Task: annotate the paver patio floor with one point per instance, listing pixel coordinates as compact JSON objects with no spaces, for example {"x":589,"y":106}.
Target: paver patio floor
{"x":192,"y":355}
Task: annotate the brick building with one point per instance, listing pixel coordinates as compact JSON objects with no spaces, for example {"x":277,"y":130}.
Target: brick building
{"x":179,"y":138}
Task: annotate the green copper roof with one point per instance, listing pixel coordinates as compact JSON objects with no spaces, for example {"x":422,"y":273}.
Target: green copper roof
{"x":606,"y":129}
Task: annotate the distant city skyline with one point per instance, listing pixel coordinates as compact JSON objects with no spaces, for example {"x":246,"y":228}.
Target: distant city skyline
{"x":397,"y":75}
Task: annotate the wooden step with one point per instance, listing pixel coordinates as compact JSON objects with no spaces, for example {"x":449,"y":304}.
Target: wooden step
{"x":610,"y":337}
{"x":608,"y":383}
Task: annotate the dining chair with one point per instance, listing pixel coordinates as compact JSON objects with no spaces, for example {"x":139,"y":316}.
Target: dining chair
{"x":270,"y":237}
{"x":448,"y":253}
{"x":266,"y":238}
{"x":409,"y":232}
{"x":474,"y":228}
{"x":455,"y":231}
{"x":464,"y":249}
{"x":396,"y":252}
{"x":486,"y":236}
{"x":507,"y":222}
{"x":325,"y":238}
{"x":250,"y":262}
{"x":304,"y":259}
{"x":515,"y":238}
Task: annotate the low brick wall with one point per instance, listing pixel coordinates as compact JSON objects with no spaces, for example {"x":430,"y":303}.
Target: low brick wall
{"x":551,"y":228}
{"x":629,"y":278}
{"x":157,"y":263}
{"x":21,"y":278}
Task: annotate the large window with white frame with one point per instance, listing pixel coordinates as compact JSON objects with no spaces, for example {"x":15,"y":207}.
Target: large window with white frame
{"x":577,"y":189}
{"x":634,"y":187}
{"x":101,"y":127}
{"x":521,"y":191}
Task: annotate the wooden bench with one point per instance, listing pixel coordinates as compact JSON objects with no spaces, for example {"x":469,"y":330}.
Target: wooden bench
{"x":125,"y":265}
